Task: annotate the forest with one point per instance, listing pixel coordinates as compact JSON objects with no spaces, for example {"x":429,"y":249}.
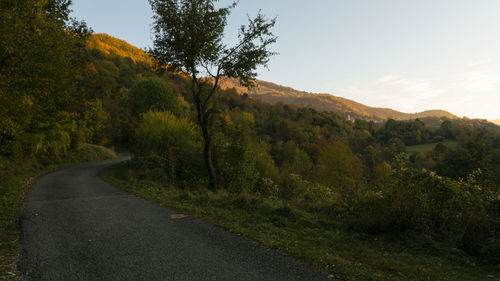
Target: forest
{"x":63,"y":87}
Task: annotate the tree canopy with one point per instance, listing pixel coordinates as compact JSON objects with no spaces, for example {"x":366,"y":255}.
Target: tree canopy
{"x":41,"y":51}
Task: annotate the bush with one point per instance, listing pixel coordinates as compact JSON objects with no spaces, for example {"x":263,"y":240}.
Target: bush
{"x":168,"y":147}
{"x":235,"y":159}
{"x":292,"y":187}
{"x":420,"y":201}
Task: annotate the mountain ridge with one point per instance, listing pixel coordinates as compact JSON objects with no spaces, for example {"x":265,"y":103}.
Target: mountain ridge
{"x":273,"y":93}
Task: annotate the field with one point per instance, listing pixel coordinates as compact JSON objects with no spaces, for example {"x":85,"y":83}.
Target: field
{"x":410,"y":150}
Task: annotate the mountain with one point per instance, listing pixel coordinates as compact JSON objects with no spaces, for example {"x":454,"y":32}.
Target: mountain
{"x":273,"y":93}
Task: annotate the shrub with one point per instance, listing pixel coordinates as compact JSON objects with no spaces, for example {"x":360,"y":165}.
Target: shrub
{"x":236,"y":161}
{"x":459,"y":211}
{"x":168,"y":145}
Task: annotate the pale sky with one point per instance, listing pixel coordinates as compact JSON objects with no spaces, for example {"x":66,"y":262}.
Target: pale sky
{"x":408,"y":55}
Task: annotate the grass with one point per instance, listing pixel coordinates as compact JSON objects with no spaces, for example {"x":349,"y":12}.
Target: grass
{"x":412,"y":149}
{"x":315,"y":239}
{"x":16,"y":178}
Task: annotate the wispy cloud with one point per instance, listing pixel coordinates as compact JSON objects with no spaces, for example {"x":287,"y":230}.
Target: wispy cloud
{"x":473,"y":93}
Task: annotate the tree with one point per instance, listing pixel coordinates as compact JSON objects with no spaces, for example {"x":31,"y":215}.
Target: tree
{"x":189,"y":38}
{"x":153,"y":94}
{"x":338,"y":167}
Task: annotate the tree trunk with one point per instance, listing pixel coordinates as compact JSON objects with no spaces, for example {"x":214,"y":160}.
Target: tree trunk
{"x":207,"y":153}
{"x":203,"y":120}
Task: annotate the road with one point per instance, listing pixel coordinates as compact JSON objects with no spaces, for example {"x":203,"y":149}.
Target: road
{"x":77,"y":227}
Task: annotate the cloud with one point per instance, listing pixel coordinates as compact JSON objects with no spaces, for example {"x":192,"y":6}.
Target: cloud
{"x":395,"y":91}
{"x":473,"y":93}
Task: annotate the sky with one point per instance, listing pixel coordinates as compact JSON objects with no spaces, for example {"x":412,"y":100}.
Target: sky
{"x":403,"y":54}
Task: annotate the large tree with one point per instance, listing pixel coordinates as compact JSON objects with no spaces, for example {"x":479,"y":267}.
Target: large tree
{"x":188,"y":37}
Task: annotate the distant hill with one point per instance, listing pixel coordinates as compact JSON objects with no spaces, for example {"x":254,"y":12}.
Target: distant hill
{"x":273,"y":93}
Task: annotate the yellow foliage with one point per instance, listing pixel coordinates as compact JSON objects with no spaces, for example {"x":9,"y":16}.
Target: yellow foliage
{"x":113,"y":46}
{"x":227,"y":121}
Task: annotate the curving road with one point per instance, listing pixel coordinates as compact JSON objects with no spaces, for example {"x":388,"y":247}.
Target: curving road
{"x":77,"y":227}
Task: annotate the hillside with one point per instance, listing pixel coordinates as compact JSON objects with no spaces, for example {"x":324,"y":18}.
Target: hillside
{"x":112,"y":46}
{"x":497,"y":122}
{"x":273,"y":93}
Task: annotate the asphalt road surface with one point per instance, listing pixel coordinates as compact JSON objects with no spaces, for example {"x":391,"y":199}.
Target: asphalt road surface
{"x":77,"y":227}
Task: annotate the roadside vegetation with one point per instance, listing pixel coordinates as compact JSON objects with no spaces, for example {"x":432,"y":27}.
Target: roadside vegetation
{"x":320,"y":238}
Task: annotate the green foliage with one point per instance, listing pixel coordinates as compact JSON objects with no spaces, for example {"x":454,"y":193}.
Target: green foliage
{"x":235,"y":159}
{"x":168,"y":144}
{"x":480,"y":151}
{"x":291,"y":158}
{"x":188,"y":37}
{"x":93,"y":123}
{"x":54,"y":139}
{"x":409,"y":132}
{"x":41,"y":52}
{"x":264,"y":162}
{"x":153,"y":94}
{"x":421,"y":201}
{"x":338,"y":168}
{"x":161,"y":131}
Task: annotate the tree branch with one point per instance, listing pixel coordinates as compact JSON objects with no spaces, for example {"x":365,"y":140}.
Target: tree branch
{"x":214,"y":88}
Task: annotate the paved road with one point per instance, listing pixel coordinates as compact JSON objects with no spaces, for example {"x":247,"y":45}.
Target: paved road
{"x":77,"y":227}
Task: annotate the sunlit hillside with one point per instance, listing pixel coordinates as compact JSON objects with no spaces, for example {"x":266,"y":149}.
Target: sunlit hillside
{"x":496,"y":122}
{"x":116,"y":47}
{"x":273,"y":93}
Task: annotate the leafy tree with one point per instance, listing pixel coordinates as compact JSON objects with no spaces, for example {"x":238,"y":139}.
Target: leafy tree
{"x":189,"y":38}
{"x":153,"y":94}
{"x":291,"y":158}
{"x":338,"y":167}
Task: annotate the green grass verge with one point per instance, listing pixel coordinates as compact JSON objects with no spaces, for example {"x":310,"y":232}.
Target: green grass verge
{"x":412,"y":149}
{"x":16,"y":178}
{"x":312,"y":238}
